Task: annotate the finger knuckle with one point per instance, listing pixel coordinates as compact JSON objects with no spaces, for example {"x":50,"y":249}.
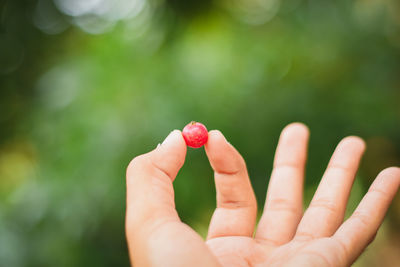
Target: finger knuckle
{"x":362,"y":218}
{"x":282,"y":204}
{"x":304,"y":236}
{"x":325,"y":204}
{"x":136,"y":162}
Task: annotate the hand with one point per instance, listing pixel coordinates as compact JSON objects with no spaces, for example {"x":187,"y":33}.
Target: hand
{"x":284,"y":237}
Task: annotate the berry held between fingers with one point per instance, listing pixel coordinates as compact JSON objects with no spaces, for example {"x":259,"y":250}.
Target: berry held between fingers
{"x":195,"y":134}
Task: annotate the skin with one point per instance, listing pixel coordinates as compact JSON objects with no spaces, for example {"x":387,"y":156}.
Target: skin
{"x":285,"y":236}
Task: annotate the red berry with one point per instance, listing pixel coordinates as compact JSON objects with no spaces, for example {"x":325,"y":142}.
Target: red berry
{"x":195,"y":134}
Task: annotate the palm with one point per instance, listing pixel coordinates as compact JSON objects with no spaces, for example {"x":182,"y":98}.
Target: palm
{"x":234,"y":249}
{"x":245,"y":251}
{"x":284,"y":236}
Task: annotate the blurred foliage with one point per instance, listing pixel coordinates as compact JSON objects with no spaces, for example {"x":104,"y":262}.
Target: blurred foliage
{"x":87,"y":85}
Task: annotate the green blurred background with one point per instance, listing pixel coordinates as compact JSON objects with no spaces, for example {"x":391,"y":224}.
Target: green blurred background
{"x":87,"y":85}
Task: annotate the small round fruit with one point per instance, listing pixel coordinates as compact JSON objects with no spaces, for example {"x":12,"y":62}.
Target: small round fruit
{"x":195,"y":134}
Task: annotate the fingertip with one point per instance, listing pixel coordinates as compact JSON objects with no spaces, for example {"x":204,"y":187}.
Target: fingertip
{"x":214,"y":132}
{"x":222,"y":155}
{"x":174,"y":142}
{"x":391,"y":175}
{"x":170,"y":155}
{"x":217,"y":144}
{"x":174,"y":137}
{"x":354,"y":141}
{"x":171,"y":151}
{"x":391,"y":171}
{"x":298,"y":125}
{"x":292,"y":145}
{"x":296,"y":128}
{"x":215,"y":137}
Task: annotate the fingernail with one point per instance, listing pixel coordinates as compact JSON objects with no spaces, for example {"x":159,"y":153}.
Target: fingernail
{"x":158,"y":145}
{"x":223,"y":136}
{"x":169,"y":138}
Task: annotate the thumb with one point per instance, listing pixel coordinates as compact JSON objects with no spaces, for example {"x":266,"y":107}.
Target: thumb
{"x":150,"y":194}
{"x":170,"y":155}
{"x":155,"y":235}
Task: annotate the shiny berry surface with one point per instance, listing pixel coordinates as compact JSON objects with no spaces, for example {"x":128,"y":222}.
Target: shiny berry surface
{"x":195,"y":134}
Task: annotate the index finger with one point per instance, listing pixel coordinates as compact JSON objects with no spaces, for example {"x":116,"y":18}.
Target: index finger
{"x":236,"y":210}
